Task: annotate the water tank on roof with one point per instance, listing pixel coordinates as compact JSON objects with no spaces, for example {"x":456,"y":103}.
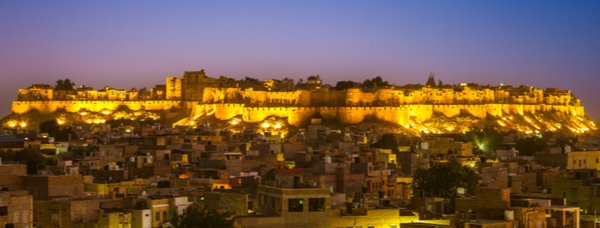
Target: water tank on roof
{"x":327,"y":159}
{"x":509,"y":215}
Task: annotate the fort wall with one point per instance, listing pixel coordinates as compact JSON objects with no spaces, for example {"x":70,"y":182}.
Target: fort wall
{"x":300,"y":116}
{"x":45,"y":107}
{"x":225,"y":98}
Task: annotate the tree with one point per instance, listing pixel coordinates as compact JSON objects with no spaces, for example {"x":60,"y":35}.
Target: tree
{"x":387,"y":141}
{"x":529,"y":145}
{"x":487,"y":139}
{"x":442,"y":180}
{"x":196,"y":216}
{"x":269,"y":176}
{"x":54,"y":130}
{"x":377,"y":81}
{"x":64,"y":84}
{"x":249,"y":79}
{"x":31,"y":157}
{"x":431,"y":80}
{"x":342,"y":85}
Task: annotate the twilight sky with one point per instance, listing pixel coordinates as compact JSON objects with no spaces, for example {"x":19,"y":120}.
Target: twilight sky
{"x":139,"y":43}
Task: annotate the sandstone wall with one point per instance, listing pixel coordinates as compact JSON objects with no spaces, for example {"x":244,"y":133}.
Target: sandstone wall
{"x":300,"y":115}
{"x":45,"y":107}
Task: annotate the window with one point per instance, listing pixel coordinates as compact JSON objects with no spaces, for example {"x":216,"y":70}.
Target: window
{"x":157,"y":216}
{"x":3,"y":211}
{"x":316,"y":204}
{"x":295,"y":205}
{"x":55,"y":216}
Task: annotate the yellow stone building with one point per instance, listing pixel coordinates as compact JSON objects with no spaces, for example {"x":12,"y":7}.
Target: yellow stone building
{"x":198,"y":95}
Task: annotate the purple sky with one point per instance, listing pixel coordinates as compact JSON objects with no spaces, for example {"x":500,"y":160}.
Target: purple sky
{"x":137,"y":44}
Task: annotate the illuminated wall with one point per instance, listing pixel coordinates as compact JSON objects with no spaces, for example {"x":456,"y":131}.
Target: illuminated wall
{"x":201,"y":95}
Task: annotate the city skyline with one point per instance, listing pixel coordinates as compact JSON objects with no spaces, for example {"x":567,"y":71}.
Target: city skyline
{"x":126,"y":45}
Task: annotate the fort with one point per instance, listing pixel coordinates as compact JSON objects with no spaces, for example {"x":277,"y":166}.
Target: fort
{"x":195,"y":95}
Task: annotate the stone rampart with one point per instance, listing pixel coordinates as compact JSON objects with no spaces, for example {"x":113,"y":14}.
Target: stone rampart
{"x":299,"y":115}
{"x":45,"y":107}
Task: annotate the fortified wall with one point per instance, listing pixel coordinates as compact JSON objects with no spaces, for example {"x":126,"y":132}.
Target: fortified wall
{"x":300,"y":116}
{"x":254,"y":100}
{"x":47,"y":107}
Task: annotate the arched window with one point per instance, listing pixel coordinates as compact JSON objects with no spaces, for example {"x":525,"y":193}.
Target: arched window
{"x":157,"y":216}
{"x":165,"y":218}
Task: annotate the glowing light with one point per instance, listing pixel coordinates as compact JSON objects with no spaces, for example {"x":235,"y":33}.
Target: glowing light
{"x":472,"y":165}
{"x":234,"y":122}
{"x":106,"y":112}
{"x":23,"y":124}
{"x":277,"y":125}
{"x":192,"y":123}
{"x":60,"y":122}
{"x":265,"y":125}
{"x":12,"y":124}
{"x":83,"y":113}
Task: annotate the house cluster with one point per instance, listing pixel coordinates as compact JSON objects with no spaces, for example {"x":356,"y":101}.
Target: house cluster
{"x":143,"y":176}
